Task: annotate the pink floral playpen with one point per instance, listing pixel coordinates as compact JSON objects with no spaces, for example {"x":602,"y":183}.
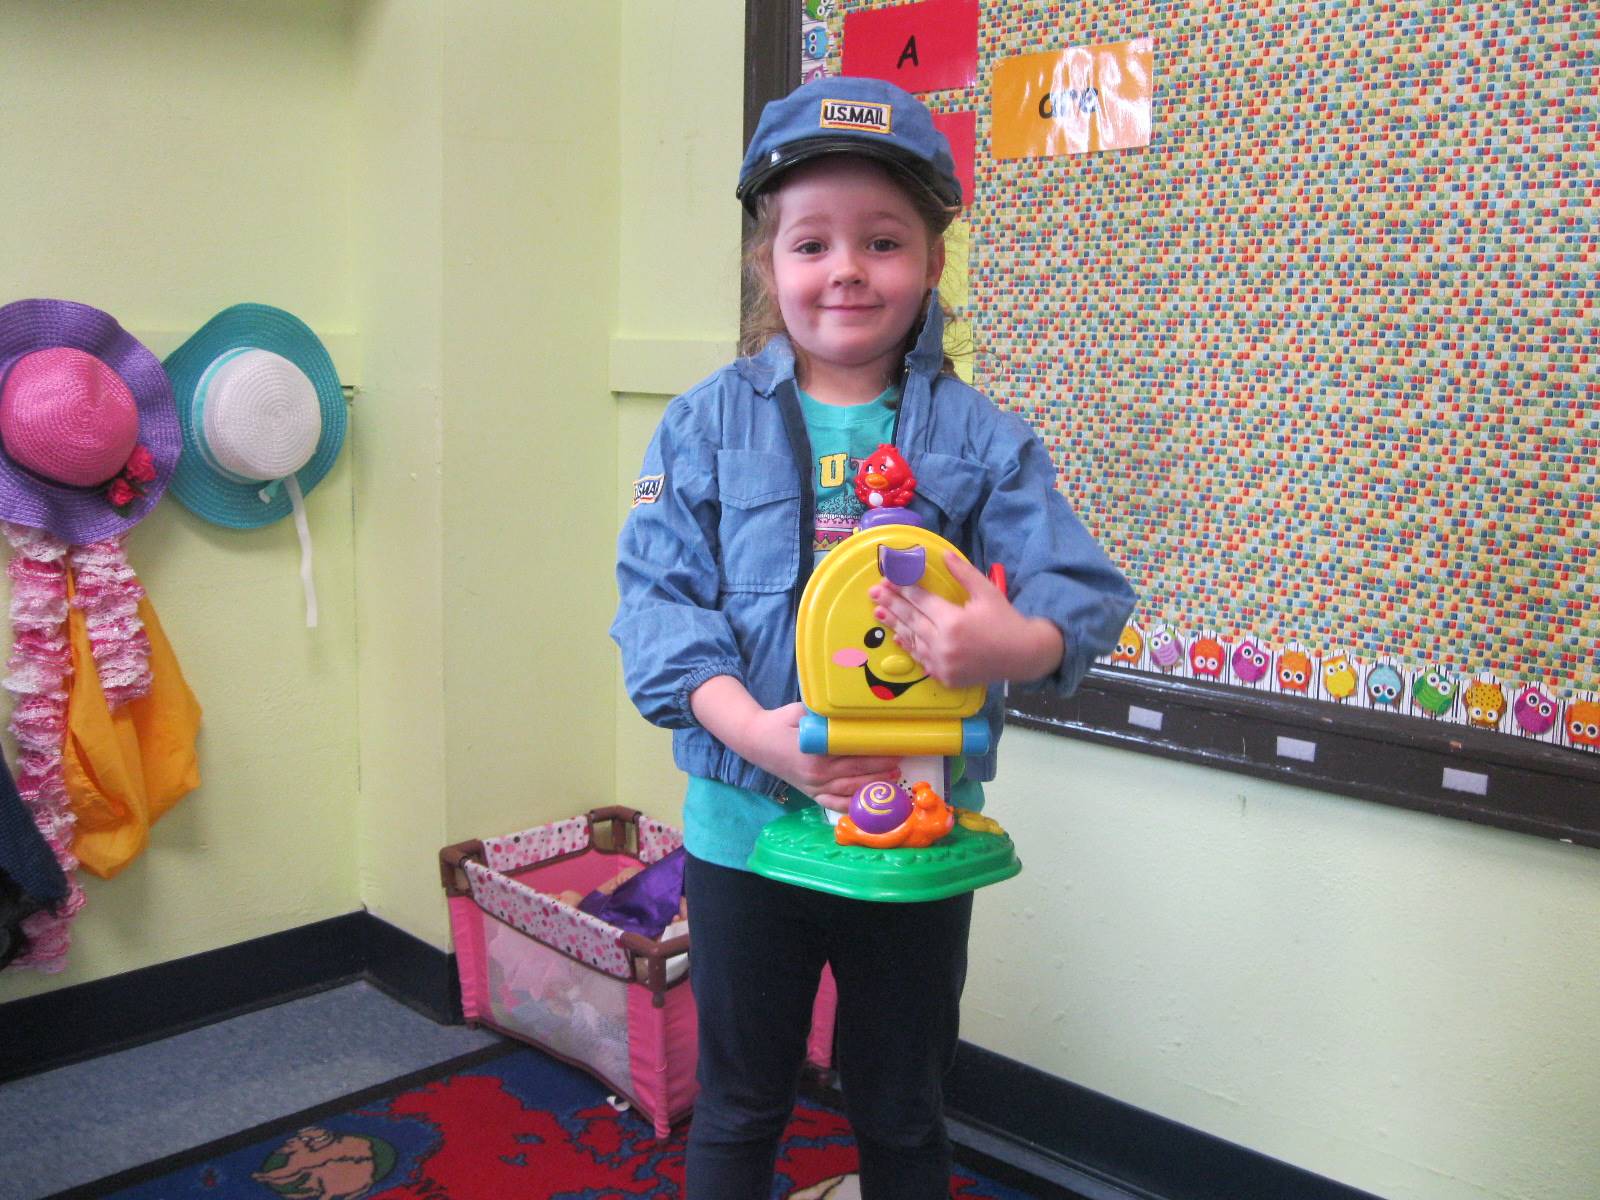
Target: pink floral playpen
{"x":609,"y":1001}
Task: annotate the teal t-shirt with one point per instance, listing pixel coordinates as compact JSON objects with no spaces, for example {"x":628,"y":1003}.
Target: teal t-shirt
{"x":842,"y":435}
{"x":721,"y":822}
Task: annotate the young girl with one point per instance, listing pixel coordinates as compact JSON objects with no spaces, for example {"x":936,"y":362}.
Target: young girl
{"x":747,"y":478}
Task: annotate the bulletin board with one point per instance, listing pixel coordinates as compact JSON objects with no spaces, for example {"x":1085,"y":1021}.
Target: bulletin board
{"x":1318,"y":366}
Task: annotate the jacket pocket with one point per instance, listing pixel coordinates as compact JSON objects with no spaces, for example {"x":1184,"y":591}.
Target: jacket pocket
{"x":954,"y":486}
{"x":759,"y":527}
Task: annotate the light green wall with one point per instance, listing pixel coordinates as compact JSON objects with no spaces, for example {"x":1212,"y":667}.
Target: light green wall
{"x":398,"y":161}
{"x":487,"y":234}
{"x":1400,"y":1001}
{"x":530,"y":293}
{"x":683,"y":106}
{"x":678,"y":308}
{"x":144,"y":175}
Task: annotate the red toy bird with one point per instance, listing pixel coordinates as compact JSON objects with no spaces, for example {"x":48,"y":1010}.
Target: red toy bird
{"x":885,"y":479}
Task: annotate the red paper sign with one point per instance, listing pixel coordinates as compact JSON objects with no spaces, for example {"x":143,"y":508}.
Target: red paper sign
{"x":926,"y":47}
{"x":961,"y":128}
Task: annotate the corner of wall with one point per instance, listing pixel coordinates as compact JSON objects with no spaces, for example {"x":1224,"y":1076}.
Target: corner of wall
{"x":396,"y":226}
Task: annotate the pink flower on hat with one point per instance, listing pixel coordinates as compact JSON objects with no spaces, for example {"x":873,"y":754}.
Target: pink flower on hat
{"x":128,"y":484}
{"x":141,"y":467}
{"x":122,"y":494}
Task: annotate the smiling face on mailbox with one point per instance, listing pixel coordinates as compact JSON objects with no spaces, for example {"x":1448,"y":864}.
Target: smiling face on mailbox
{"x":849,"y":664}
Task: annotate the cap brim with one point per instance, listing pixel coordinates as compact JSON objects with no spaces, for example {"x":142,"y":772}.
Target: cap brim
{"x":913,"y":169}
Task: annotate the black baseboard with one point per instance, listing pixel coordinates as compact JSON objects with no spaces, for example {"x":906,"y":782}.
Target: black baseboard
{"x":417,"y":974}
{"x":1104,"y":1147}
{"x":1039,"y":1133}
{"x":74,"y":1023}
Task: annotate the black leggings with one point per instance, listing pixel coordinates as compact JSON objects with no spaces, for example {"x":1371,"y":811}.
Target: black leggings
{"x":757,"y":950}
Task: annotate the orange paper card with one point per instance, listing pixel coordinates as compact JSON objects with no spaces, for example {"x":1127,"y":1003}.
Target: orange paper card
{"x":1073,"y":101}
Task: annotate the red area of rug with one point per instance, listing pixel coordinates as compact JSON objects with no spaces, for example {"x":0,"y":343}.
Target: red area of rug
{"x":510,"y":1122}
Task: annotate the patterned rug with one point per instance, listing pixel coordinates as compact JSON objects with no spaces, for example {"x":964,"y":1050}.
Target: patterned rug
{"x":501,"y":1122}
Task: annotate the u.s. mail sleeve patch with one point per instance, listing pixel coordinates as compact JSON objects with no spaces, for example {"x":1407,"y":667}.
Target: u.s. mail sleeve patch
{"x":647,"y":489}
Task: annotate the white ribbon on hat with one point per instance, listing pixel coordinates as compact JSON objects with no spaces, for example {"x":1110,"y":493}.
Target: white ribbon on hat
{"x":257,"y":420}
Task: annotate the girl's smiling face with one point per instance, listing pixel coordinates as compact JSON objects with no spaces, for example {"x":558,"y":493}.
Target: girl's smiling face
{"x":852,"y":263}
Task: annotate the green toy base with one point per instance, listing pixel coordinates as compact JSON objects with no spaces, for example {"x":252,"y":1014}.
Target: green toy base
{"x":800,"y":849}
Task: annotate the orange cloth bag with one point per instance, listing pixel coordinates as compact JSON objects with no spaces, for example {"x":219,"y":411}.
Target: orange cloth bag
{"x":124,"y":769}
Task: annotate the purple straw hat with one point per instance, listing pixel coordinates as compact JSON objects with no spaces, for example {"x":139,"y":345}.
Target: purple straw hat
{"x":89,"y":434}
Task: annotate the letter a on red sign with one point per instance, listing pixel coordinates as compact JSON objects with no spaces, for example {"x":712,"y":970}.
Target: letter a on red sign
{"x":926,"y":47}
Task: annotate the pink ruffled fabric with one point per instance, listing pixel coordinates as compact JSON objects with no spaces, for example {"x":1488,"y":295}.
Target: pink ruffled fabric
{"x":108,"y":592}
{"x":38,"y":672}
{"x":37,"y":675}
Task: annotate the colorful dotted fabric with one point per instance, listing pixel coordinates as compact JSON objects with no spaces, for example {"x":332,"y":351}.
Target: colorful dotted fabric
{"x":517,"y":850}
{"x":1319,"y":365}
{"x":544,"y":918}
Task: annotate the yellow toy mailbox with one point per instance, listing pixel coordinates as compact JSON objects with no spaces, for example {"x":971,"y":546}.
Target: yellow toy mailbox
{"x":864,"y":693}
{"x":900,"y":840}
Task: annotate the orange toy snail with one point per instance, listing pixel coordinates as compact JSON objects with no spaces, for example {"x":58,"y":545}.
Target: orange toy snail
{"x":884,"y":815}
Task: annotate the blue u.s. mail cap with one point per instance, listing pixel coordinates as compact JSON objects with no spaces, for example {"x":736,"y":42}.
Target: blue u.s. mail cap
{"x":849,"y":115}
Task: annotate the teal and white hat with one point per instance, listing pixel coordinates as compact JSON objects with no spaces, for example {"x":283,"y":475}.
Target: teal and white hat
{"x":263,"y":419}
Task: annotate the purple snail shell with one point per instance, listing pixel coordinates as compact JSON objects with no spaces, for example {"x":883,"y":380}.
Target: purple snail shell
{"x":880,"y":806}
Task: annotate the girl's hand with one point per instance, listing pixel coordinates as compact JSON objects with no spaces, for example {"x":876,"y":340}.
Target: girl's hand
{"x":983,"y":641}
{"x":772,"y":738}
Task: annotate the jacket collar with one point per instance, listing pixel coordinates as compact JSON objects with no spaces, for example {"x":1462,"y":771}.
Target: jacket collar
{"x":774,"y":363}
{"x":927,"y":356}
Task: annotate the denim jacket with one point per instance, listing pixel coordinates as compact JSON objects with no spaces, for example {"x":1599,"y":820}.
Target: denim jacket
{"x":709,"y":553}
